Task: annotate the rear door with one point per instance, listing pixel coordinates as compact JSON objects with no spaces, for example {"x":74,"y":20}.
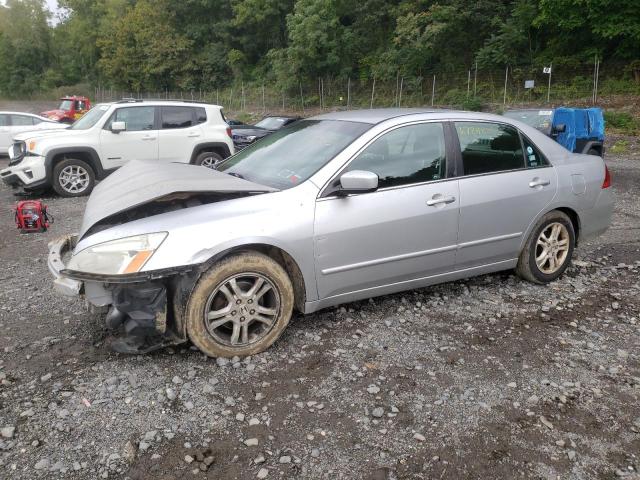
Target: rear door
{"x":138,"y":142}
{"x":181,"y":131}
{"x":506,"y":182}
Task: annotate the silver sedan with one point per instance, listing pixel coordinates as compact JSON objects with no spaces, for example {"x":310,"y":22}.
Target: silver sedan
{"x":336,"y":208}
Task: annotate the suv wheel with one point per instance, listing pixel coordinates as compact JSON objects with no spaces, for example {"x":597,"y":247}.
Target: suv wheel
{"x":73,"y":178}
{"x":548,"y":251}
{"x":240,"y":306}
{"x":208,"y":159}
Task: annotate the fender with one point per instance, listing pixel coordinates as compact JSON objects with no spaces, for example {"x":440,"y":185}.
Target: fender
{"x":210,"y":145}
{"x":596,"y":145}
{"x":93,"y":160}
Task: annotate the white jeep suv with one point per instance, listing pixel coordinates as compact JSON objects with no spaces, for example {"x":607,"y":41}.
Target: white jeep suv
{"x":111,"y":134}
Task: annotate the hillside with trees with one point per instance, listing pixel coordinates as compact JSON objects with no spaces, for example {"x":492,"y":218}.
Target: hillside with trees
{"x":158,"y":45}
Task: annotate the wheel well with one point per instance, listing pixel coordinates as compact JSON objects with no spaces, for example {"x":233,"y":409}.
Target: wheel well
{"x":285,"y":260}
{"x":84,"y":156}
{"x":219,"y":150}
{"x":575,"y":220}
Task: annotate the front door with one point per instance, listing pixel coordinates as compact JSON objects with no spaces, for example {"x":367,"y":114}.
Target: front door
{"x":506,"y":183}
{"x":138,"y":142}
{"x":405,"y":230}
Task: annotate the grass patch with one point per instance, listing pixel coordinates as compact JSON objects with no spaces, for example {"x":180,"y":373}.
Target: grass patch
{"x":620,"y":147}
{"x":623,"y":122}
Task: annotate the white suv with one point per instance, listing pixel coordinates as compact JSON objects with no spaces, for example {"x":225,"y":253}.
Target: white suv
{"x":111,"y":134}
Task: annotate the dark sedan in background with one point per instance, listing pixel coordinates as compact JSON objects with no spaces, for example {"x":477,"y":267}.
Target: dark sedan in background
{"x":244,"y":135}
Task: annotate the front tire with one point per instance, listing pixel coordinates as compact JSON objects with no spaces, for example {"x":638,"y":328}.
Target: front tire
{"x":73,"y":178}
{"x":547,"y":253}
{"x":240,"y":306}
{"x":208,"y":159}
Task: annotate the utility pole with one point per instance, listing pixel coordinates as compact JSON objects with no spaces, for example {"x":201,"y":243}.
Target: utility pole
{"x":475,"y":79}
{"x":400,"y":95}
{"x":348,"y":92}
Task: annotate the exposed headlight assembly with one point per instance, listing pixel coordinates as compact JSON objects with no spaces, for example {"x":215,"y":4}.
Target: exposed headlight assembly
{"x":116,"y":257}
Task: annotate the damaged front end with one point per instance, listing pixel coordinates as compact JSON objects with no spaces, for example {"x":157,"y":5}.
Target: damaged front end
{"x":147,"y":307}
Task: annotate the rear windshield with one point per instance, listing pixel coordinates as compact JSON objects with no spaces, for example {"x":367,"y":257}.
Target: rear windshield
{"x":291,"y":155}
{"x":540,"y":119}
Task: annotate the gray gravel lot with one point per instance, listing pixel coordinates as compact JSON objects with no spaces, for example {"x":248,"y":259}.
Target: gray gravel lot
{"x":490,"y":377}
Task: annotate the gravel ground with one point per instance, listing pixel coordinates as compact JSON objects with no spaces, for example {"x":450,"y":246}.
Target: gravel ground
{"x":490,"y":377}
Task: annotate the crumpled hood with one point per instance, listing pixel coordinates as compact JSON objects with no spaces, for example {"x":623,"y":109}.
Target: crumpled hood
{"x":139,"y":182}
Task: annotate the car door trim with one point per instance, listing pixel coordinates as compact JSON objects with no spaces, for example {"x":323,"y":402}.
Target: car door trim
{"x":380,"y":261}
{"x":499,"y":238}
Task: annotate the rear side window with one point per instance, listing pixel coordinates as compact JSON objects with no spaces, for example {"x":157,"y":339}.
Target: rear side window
{"x":406,"y":155}
{"x":201,"y":115}
{"x":21,"y":120}
{"x":532,"y":156}
{"x":135,"y":118}
{"x":4,"y":120}
{"x":489,"y":147}
{"x":177,"y":117}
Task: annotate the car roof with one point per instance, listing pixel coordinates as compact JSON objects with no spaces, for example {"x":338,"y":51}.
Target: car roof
{"x":161,"y":102}
{"x":20,"y":113}
{"x":375,"y":115}
{"x":380,"y":115}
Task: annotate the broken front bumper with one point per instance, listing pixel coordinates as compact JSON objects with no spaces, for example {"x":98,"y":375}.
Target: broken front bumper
{"x":57,"y":249}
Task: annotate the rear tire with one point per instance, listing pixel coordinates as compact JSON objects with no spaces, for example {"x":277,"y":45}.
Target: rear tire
{"x":548,"y":250}
{"x":240,"y":306}
{"x":208,"y":159}
{"x":73,"y":178}
{"x":593,"y":151}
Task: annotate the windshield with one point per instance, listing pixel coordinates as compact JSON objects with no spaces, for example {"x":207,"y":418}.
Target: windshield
{"x":271,"y":123}
{"x":90,"y":118}
{"x":65,"y":105}
{"x":540,"y":119}
{"x":291,"y":155}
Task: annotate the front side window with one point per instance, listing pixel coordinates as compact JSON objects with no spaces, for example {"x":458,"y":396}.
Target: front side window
{"x":21,"y":120}
{"x":290,"y":156}
{"x":406,"y":155}
{"x":489,"y":147}
{"x":177,"y":117}
{"x":135,"y":118}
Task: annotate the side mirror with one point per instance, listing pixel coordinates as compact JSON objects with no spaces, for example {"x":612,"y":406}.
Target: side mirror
{"x":560,"y":128}
{"x":358,"y":181}
{"x":117,"y":127}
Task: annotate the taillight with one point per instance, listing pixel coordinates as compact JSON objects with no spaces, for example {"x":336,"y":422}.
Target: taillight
{"x":229,"y":132}
{"x":607,"y":178}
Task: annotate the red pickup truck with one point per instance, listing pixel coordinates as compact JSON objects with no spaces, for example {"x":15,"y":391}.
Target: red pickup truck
{"x":71,"y":108}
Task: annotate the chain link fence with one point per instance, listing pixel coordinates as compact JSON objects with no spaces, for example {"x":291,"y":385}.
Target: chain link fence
{"x":472,"y":89}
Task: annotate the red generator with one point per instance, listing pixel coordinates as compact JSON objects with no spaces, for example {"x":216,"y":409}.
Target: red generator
{"x":31,"y":216}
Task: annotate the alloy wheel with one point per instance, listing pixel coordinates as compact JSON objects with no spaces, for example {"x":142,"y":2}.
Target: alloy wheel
{"x":210,"y":162}
{"x":552,"y":248}
{"x":242,"y":309}
{"x":74,"y":179}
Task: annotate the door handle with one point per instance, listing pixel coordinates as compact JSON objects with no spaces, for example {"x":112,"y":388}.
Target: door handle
{"x":149,"y":138}
{"x":537,"y":182}
{"x":192,"y":135}
{"x":438,"y":199}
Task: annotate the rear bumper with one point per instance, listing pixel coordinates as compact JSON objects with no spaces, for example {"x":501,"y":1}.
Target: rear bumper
{"x":57,"y":248}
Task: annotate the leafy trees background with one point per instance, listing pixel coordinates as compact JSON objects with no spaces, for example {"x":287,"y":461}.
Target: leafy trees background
{"x":202,"y":44}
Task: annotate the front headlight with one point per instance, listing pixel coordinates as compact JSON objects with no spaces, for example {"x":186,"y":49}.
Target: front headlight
{"x":125,"y":255}
{"x":251,"y":138}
